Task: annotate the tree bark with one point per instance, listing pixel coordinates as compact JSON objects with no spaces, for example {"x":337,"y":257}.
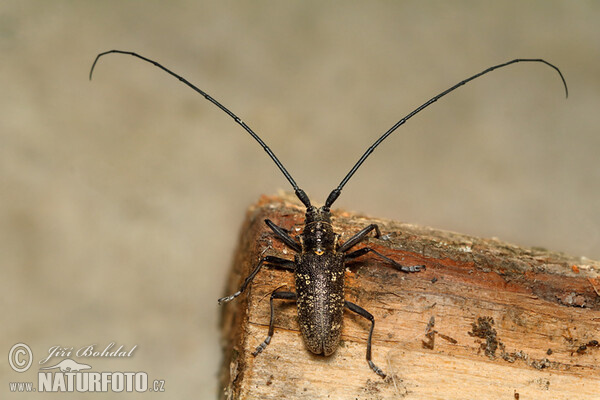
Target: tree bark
{"x":486,"y":320}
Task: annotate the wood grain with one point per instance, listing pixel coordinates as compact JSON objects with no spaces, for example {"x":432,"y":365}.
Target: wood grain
{"x":486,"y":319}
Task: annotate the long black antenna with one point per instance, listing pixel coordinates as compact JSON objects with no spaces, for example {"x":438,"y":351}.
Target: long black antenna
{"x":299,"y":192}
{"x":336,"y":192}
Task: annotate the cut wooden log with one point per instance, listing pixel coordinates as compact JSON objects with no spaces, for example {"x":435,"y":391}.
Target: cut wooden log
{"x":486,"y":320}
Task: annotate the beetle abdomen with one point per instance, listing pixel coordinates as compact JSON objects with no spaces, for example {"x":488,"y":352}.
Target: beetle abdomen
{"x":320,"y":289}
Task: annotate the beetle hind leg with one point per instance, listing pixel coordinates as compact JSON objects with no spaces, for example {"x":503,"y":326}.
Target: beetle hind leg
{"x":364,"y":313}
{"x":274,"y":295}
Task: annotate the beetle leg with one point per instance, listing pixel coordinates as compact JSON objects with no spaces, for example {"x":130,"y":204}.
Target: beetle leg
{"x":359,"y":237}
{"x":284,"y":236}
{"x":364,"y":313}
{"x":274,"y":295}
{"x":280,"y":262}
{"x":399,"y":267}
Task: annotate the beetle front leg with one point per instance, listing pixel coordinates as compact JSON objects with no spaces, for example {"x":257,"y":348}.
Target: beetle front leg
{"x":281,"y":262}
{"x":274,"y":295}
{"x":354,"y":240}
{"x":365,"y":314}
{"x":284,"y":236}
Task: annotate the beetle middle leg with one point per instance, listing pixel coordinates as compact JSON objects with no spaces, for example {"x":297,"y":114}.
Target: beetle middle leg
{"x":274,"y":295}
{"x":364,"y":313}
{"x":277,"y":261}
{"x":360,"y":236}
{"x":398,"y":266}
{"x":281,"y":262}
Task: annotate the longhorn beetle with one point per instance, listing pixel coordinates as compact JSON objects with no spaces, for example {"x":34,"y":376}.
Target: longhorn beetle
{"x":319,"y":264}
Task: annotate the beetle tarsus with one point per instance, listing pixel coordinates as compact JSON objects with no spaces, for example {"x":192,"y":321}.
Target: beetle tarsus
{"x":262,"y":346}
{"x":227,"y":299}
{"x":376,"y":369}
{"x":412,"y":268}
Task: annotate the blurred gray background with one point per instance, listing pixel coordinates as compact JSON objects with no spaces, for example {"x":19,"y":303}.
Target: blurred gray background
{"x":121,"y":198}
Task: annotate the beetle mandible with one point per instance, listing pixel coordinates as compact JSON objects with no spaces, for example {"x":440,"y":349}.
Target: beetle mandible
{"x":319,"y":264}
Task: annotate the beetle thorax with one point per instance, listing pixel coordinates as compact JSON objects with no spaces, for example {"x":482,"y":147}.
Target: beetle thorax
{"x":318,"y":236}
